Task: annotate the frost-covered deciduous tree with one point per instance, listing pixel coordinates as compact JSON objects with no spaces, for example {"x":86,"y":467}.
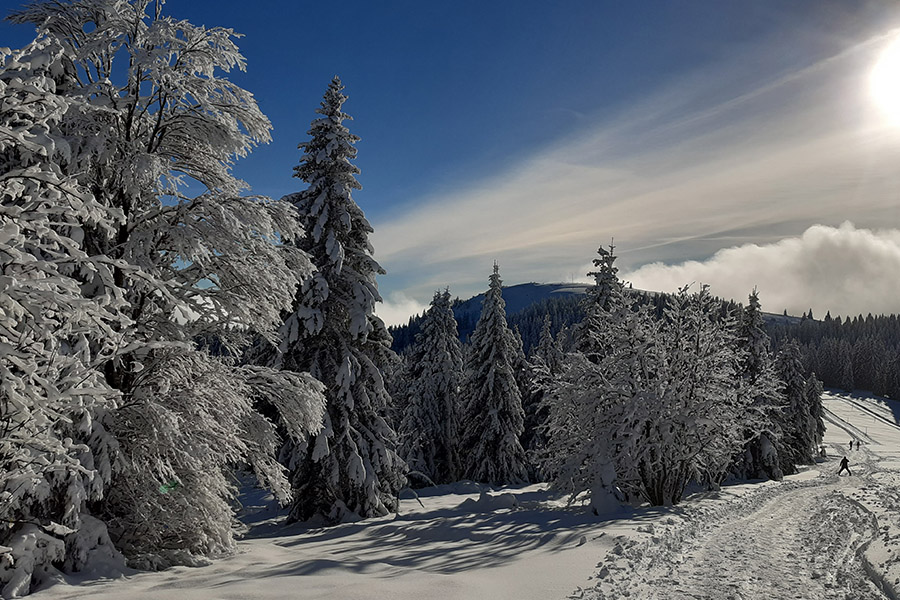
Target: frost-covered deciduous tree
{"x":194,"y":401}
{"x":429,"y":431}
{"x":52,"y":339}
{"x":148,"y":110}
{"x":578,"y":454}
{"x":350,"y":469}
{"x":653,"y":406}
{"x":494,"y":419}
{"x":700,"y":427}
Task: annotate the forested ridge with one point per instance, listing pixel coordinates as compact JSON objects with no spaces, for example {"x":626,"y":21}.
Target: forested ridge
{"x":862,"y":352}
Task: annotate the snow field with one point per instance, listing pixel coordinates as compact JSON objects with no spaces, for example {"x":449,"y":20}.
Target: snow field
{"x":814,"y":535}
{"x":465,"y":542}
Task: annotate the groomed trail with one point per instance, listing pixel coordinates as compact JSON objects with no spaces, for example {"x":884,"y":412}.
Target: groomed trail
{"x":815,"y":535}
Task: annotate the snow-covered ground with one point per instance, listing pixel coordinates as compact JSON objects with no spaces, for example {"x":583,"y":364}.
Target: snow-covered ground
{"x":815,"y":535}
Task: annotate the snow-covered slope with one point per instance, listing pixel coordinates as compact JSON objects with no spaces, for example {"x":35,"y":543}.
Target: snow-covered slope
{"x":815,"y":535}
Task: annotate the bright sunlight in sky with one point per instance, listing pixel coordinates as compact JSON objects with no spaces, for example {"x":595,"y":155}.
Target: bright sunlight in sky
{"x":885,"y":81}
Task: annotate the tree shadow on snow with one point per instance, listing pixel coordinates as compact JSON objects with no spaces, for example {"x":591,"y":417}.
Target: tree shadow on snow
{"x":445,"y":540}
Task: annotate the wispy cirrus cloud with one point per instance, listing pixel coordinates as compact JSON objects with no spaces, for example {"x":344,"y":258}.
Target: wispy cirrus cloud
{"x":677,"y":177}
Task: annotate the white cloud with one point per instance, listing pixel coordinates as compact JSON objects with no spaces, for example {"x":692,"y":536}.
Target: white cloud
{"x":844,"y":270}
{"x":676,"y":177}
{"x":398,"y":308}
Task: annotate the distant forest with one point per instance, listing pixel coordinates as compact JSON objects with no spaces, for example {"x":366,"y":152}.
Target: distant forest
{"x":861,"y":352}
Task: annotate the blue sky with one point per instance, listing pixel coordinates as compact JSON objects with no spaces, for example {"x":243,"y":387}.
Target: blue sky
{"x":532,"y":132}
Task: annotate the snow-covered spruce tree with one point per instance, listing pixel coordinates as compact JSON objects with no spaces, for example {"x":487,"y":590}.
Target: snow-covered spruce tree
{"x":549,"y":350}
{"x":800,"y":426}
{"x":50,"y":384}
{"x":148,"y":109}
{"x":604,"y":298}
{"x":546,"y":364}
{"x":429,"y":431}
{"x":845,"y":366}
{"x":398,"y":384}
{"x":582,"y":419}
{"x":351,"y":469}
{"x":813,"y":392}
{"x":765,"y":455}
{"x":527,"y":375}
{"x":494,"y":419}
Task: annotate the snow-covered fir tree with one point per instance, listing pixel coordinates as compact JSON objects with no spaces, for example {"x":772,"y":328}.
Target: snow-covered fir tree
{"x":546,"y":363}
{"x":801,"y":431}
{"x":814,"y":390}
{"x":845,"y":366}
{"x":578,"y":454}
{"x":351,"y":468}
{"x":549,"y":350}
{"x":147,"y":109}
{"x":605,"y":297}
{"x":765,"y":455}
{"x":494,"y":419}
{"x":429,"y":431}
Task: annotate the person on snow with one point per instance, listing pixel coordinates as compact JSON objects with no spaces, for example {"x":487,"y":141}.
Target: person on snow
{"x":857,"y":444}
{"x":845,"y":464}
{"x":851,"y":445}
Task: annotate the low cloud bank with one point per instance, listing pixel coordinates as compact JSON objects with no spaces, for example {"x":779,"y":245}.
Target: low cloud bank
{"x":397,"y":308}
{"x":842,"y":270}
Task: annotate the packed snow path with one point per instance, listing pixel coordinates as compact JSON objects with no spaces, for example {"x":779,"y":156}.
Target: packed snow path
{"x":814,"y":536}
{"x":797,"y":544}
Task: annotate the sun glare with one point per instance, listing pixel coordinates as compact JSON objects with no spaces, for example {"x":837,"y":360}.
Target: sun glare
{"x":885,"y":82}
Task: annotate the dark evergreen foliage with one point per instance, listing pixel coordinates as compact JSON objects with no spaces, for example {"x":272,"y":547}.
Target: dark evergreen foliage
{"x":350,"y":469}
{"x":429,"y":429}
{"x":494,"y":420}
{"x":861,"y":353}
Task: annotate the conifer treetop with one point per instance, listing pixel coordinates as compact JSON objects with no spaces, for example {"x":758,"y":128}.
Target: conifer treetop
{"x":336,"y":230}
{"x":331,"y":148}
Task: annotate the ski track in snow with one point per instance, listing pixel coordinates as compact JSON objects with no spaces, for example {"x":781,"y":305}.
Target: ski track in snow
{"x":803,"y":538}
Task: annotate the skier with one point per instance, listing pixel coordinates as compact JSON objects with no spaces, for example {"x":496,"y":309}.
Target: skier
{"x":857,"y":444}
{"x":845,"y":464}
{"x":851,"y":445}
